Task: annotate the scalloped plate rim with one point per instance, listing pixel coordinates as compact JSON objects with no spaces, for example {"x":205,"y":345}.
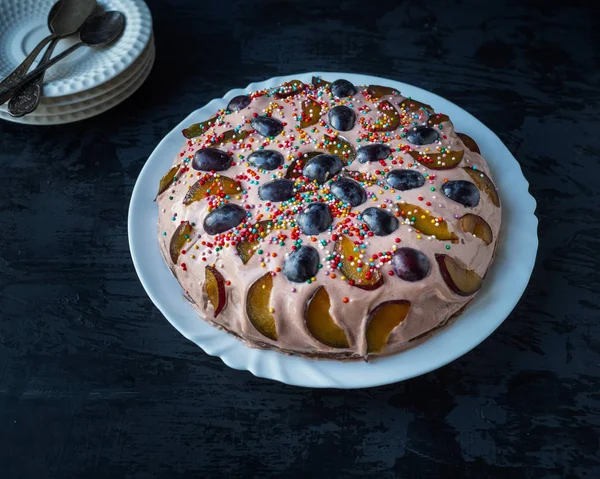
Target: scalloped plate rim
{"x":520,"y":230}
{"x":90,"y":111}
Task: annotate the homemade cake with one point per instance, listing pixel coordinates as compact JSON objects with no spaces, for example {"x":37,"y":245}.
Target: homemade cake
{"x":328,"y":220}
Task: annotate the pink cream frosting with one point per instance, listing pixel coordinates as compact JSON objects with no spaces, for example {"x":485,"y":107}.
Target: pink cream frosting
{"x":432,"y":301}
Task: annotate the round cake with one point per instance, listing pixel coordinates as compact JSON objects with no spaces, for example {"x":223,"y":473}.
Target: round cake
{"x":328,"y":220}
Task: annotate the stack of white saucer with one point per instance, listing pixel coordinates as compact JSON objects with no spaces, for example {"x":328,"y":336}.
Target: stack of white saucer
{"x":87,"y":82}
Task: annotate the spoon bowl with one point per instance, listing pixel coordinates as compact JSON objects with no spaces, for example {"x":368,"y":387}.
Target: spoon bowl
{"x":67,"y":16}
{"x":103,"y":29}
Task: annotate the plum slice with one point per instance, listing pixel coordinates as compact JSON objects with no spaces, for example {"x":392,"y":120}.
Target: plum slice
{"x":210,"y":186}
{"x":389,"y":118}
{"x":229,"y":136}
{"x":478,"y":227}
{"x":319,"y":82}
{"x":258,"y":309}
{"x":408,"y":104}
{"x":198,"y":129}
{"x":289,"y":88}
{"x":247,"y":247}
{"x":167,"y":180}
{"x":341,"y":148}
{"x":382,"y":321}
{"x":181,"y":236}
{"x":320,"y":323}
{"x":438,"y":161}
{"x":360,"y":176}
{"x":311,"y":113}
{"x":363,"y":279}
{"x":437,"y":118}
{"x":469,"y":142}
{"x":377,"y":91}
{"x":215,"y":289}
{"x":462,"y":281}
{"x":426,"y":223}
{"x":484,"y":183}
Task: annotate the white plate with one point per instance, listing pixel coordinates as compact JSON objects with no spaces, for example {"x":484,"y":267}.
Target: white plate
{"x":89,"y":112}
{"x":107,"y":96}
{"x":503,"y":287}
{"x":23,"y":23}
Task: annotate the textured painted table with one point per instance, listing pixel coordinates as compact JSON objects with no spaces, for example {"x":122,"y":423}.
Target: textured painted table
{"x":95,"y":383}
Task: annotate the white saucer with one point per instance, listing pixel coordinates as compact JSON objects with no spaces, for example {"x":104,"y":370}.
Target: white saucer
{"x":504,"y":284}
{"x":23,"y":23}
{"x":100,"y":107}
{"x":111,"y":89}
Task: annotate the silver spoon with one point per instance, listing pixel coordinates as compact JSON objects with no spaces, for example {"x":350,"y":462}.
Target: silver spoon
{"x":97,"y":31}
{"x":65,"y":18}
{"x":28,"y":97}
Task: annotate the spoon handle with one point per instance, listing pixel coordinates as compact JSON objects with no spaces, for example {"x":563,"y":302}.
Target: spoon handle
{"x":28,"y":96}
{"x":11,"y":80}
{"x":7,"y":94}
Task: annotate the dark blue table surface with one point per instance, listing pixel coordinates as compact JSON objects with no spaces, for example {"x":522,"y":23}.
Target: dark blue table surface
{"x":94,"y":382}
